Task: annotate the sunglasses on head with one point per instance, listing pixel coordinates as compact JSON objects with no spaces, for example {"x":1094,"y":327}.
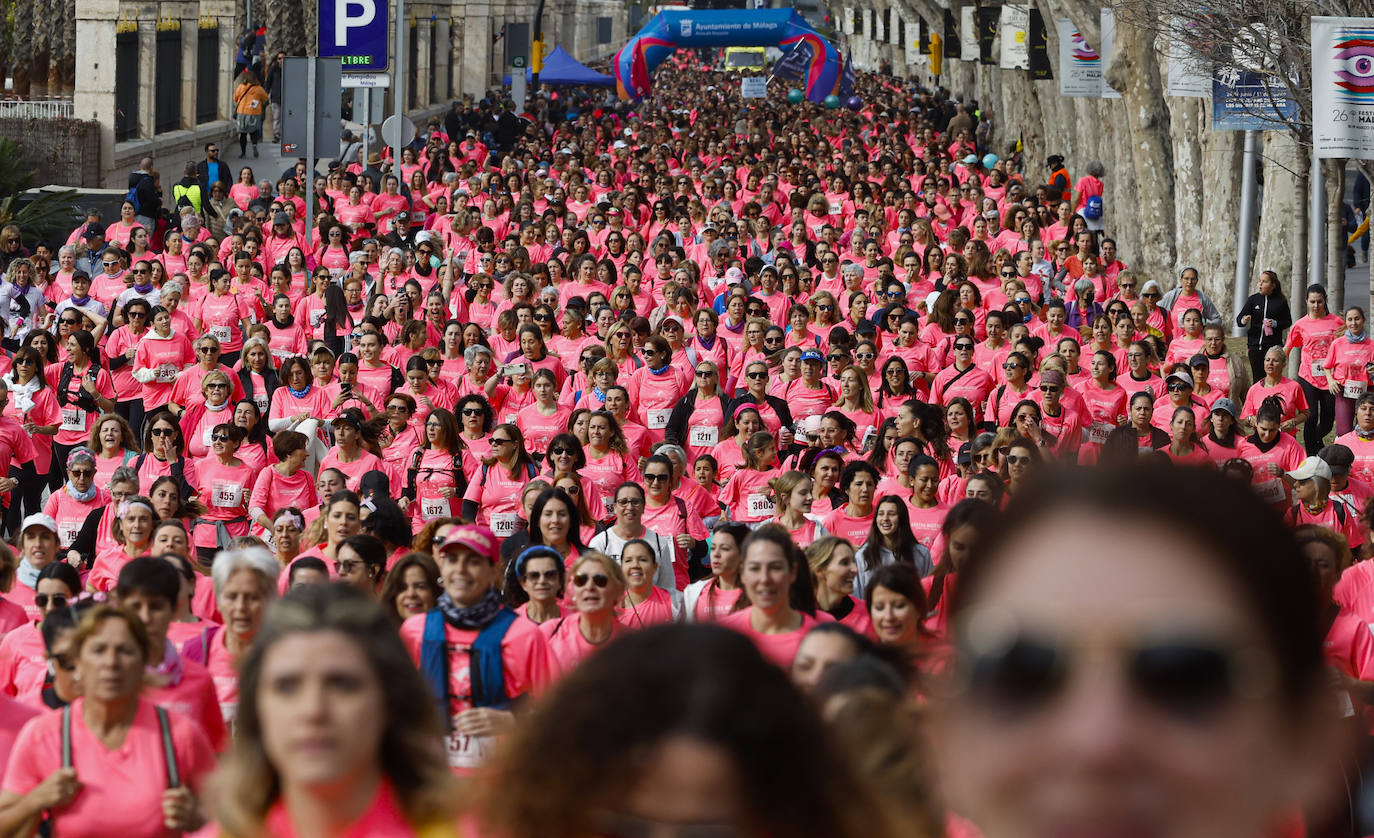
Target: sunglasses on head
{"x":1188,"y":679}
{"x":601,"y":580}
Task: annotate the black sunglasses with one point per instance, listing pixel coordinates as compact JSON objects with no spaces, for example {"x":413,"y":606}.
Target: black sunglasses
{"x":1186,"y":678}
{"x":601,"y":580}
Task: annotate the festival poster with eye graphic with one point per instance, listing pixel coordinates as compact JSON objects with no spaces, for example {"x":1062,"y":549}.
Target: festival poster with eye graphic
{"x":1343,"y":86}
{"x":1080,"y":66}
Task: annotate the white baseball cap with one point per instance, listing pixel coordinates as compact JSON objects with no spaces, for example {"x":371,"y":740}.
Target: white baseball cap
{"x":38,"y":519}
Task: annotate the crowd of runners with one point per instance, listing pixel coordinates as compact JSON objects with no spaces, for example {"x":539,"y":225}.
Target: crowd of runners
{"x":320,"y":516}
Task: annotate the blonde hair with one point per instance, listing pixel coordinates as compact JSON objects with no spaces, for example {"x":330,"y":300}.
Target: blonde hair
{"x":780,"y":488}
{"x":611,"y":566}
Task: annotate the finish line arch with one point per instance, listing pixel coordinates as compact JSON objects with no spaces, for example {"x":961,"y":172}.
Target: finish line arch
{"x":668,"y":30}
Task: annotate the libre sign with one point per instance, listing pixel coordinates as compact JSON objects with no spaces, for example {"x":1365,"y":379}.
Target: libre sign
{"x":355,"y":32}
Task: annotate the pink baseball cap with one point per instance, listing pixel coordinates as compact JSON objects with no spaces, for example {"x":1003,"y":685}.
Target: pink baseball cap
{"x":475,"y":538}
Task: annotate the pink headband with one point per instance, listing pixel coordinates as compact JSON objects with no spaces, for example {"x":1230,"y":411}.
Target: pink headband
{"x":743,"y":407}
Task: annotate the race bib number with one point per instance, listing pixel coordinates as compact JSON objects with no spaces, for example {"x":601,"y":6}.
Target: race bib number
{"x":166,"y":374}
{"x":658,"y":419}
{"x":207,"y":436}
{"x":1317,"y":369}
{"x":317,"y":317}
{"x":1355,"y":389}
{"x":281,"y":355}
{"x":260,"y":399}
{"x":504,"y":524}
{"x":73,"y":419}
{"x":836,"y":207}
{"x":759,"y":506}
{"x":705,"y":436}
{"x":431,"y":508}
{"x":510,"y":419}
{"x":220,"y":333}
{"x":1271,"y":491}
{"x":1097,"y":433}
{"x":67,"y":531}
{"x":226,"y":495}
{"x":466,"y":751}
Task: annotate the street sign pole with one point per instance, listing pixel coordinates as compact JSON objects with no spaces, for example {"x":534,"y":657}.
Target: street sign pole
{"x":366,"y":93}
{"x":400,"y":77}
{"x":310,"y":152}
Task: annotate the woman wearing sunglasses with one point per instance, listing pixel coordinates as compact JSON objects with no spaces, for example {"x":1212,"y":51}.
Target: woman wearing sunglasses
{"x":596,"y":586}
{"x":1175,"y":686}
{"x":224,"y":484}
{"x":24,"y":666}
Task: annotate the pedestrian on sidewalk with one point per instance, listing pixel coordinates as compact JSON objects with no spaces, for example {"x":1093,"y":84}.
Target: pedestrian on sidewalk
{"x":250,"y":102}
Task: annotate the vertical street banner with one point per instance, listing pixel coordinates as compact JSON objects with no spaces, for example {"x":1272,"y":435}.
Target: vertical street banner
{"x":847,"y":21}
{"x":968,"y":34}
{"x":1039,"y":37}
{"x":1080,"y":66}
{"x":914,"y":41}
{"x":1014,"y":28}
{"x":1108,"y":39}
{"x":951,"y":34}
{"x":1190,"y":74}
{"x":1343,"y":87}
{"x":987,"y":33}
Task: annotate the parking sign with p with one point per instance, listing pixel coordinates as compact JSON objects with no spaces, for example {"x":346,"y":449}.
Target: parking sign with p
{"x":355,"y":32}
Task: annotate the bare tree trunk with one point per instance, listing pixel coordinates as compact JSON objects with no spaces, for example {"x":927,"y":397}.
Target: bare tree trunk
{"x":1333,"y":172}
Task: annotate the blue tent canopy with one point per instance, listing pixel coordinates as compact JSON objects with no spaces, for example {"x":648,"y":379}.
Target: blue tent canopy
{"x":561,"y":68}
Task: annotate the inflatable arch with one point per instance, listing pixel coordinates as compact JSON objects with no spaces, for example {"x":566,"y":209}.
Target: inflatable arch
{"x":668,"y":30}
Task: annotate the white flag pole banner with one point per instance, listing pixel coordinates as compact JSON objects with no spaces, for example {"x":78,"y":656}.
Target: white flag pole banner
{"x":1190,"y":74}
{"x":1108,"y":36}
{"x":1080,"y":67}
{"x":847,"y":23}
{"x":913,"y":43}
{"x":1014,"y":25}
{"x":968,"y":35}
{"x":1343,"y":87}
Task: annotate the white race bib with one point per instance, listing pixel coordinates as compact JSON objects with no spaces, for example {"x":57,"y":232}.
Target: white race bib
{"x":166,"y":374}
{"x":317,"y":316}
{"x":220,"y":333}
{"x":658,"y":419}
{"x":836,"y":207}
{"x":67,"y":531}
{"x":504,"y":524}
{"x":431,"y":508}
{"x":226,"y":495}
{"x":469,"y":751}
{"x":260,"y":399}
{"x":759,"y":506}
{"x":207,"y":436}
{"x":281,"y":355}
{"x":1355,"y":389}
{"x":1271,"y":491}
{"x":73,"y":419}
{"x":1318,"y":371}
{"x":704,"y":436}
{"x":1097,"y":433}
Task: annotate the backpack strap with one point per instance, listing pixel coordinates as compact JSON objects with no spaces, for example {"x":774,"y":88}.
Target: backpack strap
{"x":484,"y":663}
{"x":434,"y":663}
{"x":67,"y":736}
{"x":165,"y":725}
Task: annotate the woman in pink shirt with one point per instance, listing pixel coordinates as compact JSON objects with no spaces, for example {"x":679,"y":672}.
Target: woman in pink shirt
{"x":133,"y":532}
{"x":213,"y":408}
{"x":103,"y":763}
{"x":1346,"y":367}
{"x":541,"y":421}
{"x":776,"y":581}
{"x":114,"y":444}
{"x":435,"y":481}
{"x":1271,"y":453}
{"x":492,"y":497}
{"x":609,"y":461}
{"x":833,"y":570}
{"x":1313,"y":334}
{"x":719,"y":594}
{"x":645,"y":604}
{"x":72,"y":504}
{"x":596,"y":585}
{"x":372,"y":752}
{"x":1276,"y":384}
{"x":792,"y":498}
{"x":853,"y":520}
{"x":245,"y":583}
{"x":287,"y":483}
{"x":897,"y":605}
{"x":23,"y":658}
{"x":224,"y":484}
{"x":159,"y":359}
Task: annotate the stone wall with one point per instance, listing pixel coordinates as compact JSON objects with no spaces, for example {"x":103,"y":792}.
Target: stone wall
{"x":63,"y":152}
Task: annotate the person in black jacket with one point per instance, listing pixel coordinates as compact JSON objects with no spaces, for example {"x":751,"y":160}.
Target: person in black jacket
{"x":147,"y":194}
{"x":1265,"y":317}
{"x":211,"y":169}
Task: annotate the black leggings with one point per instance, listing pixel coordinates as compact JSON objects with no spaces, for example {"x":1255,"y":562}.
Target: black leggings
{"x":27,"y":498}
{"x":132,"y":411}
{"x":1321,"y":416}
